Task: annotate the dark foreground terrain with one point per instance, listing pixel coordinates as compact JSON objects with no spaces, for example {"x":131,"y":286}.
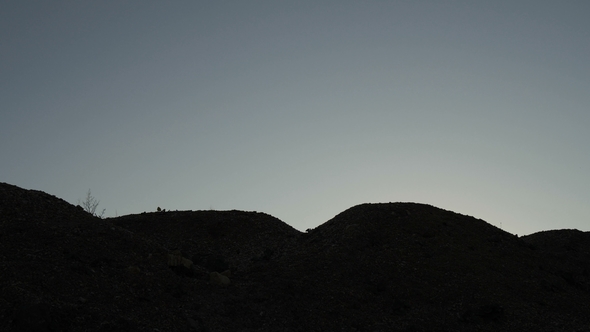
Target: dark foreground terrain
{"x":373,"y":267}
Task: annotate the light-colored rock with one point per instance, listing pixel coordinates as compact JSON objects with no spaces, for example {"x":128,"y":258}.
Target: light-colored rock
{"x":219,"y":279}
{"x":186,"y":262}
{"x":176,"y":259}
{"x":133,"y":269}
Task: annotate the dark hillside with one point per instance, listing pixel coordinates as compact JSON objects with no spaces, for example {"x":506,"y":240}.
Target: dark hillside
{"x":413,"y":265}
{"x":373,"y":267}
{"x":566,"y":255}
{"x":64,"y":270}
{"x":240,"y":238}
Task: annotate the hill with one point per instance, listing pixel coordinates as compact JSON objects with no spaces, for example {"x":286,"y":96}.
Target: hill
{"x":373,"y":267}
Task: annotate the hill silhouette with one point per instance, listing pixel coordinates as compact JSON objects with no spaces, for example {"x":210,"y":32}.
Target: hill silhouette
{"x":373,"y":267}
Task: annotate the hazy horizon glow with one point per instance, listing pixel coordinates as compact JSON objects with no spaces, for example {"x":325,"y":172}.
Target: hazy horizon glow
{"x":302,"y":110}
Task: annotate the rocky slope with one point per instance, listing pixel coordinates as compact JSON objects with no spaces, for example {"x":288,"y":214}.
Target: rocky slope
{"x":374,"y":267}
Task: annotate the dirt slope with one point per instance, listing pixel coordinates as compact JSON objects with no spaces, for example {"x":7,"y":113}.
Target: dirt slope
{"x":374,"y":267}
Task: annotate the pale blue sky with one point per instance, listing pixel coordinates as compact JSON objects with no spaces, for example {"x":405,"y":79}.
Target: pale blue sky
{"x":302,"y":109}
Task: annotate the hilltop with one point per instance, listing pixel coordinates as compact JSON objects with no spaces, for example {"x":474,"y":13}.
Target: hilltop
{"x":373,"y":267}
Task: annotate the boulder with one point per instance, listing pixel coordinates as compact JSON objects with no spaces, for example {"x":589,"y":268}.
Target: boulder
{"x":219,"y":279}
{"x":175,"y":259}
{"x":180,"y":265}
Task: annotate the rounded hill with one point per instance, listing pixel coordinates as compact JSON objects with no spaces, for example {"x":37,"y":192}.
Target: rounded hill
{"x":237,"y":237}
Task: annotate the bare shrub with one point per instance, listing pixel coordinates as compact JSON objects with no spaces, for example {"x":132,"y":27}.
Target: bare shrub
{"x":90,"y":204}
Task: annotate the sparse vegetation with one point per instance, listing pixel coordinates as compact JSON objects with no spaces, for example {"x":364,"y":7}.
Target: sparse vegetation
{"x":90,"y":204}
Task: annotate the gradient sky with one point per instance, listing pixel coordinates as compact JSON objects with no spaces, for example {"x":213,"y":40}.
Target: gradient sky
{"x":302,"y":109}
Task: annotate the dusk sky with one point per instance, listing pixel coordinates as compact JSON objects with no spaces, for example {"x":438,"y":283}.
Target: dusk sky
{"x":302,"y":109}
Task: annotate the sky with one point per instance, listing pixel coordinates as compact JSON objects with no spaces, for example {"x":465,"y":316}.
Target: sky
{"x":302,"y":109}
